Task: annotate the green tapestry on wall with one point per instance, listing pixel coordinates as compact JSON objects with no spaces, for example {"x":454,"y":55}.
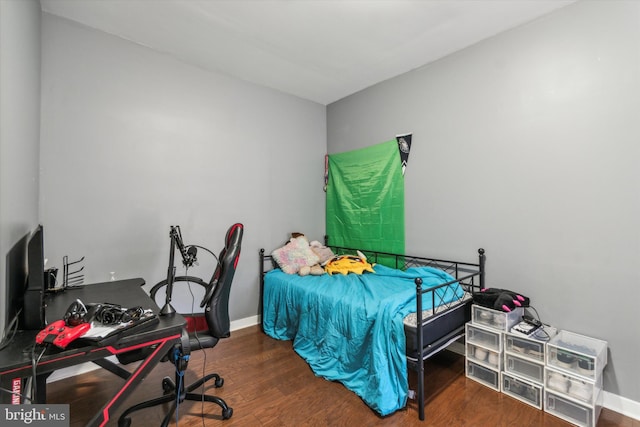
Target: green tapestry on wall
{"x":365,"y":199}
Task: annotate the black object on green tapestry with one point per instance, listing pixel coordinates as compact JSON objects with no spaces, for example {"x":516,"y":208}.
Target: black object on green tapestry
{"x":365,"y":200}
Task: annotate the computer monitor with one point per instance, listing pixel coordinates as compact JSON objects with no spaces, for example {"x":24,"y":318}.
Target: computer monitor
{"x":16,"y":282}
{"x":33,"y":313}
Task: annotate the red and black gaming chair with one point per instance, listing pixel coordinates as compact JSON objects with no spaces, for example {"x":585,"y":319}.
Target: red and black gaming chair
{"x":203,"y":330}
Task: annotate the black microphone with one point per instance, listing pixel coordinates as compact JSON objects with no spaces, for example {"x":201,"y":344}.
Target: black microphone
{"x":192,"y":251}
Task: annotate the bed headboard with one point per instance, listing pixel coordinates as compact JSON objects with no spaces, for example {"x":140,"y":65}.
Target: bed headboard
{"x":465,"y":272}
{"x":457,"y":269}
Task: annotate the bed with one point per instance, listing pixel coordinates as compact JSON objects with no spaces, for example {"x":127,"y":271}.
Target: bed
{"x":366,"y":330}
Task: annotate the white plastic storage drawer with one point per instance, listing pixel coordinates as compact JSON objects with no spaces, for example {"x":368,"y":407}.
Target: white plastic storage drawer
{"x":483,"y":375}
{"x":578,"y":388}
{"x":522,"y":390}
{"x":577,"y":354}
{"x":483,"y":337}
{"x":527,"y":369}
{"x":494,"y":319}
{"x":526,"y":348}
{"x":489,"y":358}
{"x":562,"y":407}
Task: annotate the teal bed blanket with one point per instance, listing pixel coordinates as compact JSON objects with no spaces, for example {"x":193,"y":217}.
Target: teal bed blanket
{"x":350,"y":328}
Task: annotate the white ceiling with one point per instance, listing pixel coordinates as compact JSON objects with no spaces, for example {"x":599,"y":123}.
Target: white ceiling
{"x":321,"y":50}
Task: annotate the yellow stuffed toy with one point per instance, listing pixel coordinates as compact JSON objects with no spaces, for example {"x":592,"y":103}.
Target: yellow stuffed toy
{"x":345,"y":264}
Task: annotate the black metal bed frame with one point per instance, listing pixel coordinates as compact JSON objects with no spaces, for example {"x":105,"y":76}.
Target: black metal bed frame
{"x":471,"y":276}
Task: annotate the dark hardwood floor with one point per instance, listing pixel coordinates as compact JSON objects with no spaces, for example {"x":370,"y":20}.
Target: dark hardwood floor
{"x":268,"y":384}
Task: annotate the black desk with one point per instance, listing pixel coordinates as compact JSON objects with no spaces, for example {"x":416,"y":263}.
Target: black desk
{"x":16,"y":359}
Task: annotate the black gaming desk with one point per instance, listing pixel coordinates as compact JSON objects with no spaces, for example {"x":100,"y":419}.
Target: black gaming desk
{"x":157,"y":335}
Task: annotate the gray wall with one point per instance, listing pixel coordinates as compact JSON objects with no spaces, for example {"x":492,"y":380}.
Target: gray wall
{"x":524,"y":144}
{"x":134,"y":141}
{"x":527,"y":145}
{"x":19,"y":126}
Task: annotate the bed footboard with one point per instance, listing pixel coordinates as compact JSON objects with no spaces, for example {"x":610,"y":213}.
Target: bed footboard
{"x":425,"y":348}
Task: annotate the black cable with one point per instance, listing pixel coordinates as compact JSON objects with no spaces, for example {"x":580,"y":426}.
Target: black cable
{"x":195,"y":334}
{"x":179,"y":385}
{"x":7,"y":340}
{"x":214,"y":256}
{"x":546,"y":336}
{"x":205,"y":249}
{"x":181,"y":374}
{"x":12,"y":328}
{"x":211,"y":283}
{"x":25,"y":397}
{"x":34,"y":365}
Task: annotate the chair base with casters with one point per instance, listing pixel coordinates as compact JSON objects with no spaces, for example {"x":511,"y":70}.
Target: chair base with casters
{"x":176,"y":393}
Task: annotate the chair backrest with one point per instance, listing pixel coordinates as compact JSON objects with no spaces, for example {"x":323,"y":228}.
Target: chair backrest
{"x":217,"y":307}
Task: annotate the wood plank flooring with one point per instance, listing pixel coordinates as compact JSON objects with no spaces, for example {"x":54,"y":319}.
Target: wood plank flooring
{"x":268,"y":384}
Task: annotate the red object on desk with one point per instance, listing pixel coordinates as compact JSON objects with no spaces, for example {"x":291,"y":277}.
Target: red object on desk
{"x":51,"y":329}
{"x":60,"y":334}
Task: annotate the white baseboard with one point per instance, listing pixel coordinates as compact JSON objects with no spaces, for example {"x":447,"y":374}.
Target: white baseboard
{"x":72,"y":371}
{"x":245,"y":323}
{"x":619,"y":404}
{"x":622,"y":405}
